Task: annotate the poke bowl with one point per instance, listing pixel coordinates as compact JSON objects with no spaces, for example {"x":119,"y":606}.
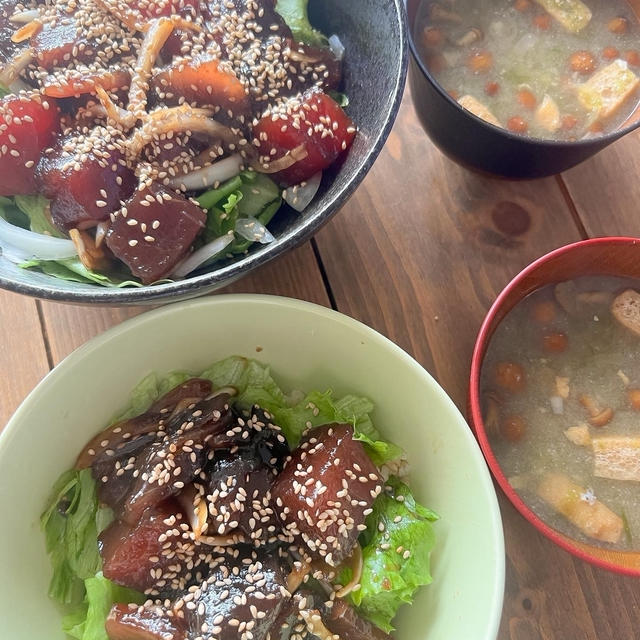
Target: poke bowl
{"x":95,"y":160}
{"x":553,"y":346}
{"x":506,"y":88}
{"x":305,"y":347}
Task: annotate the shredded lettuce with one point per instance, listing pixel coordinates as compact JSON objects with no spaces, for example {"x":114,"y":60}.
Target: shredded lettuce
{"x":87,"y":621}
{"x":296,"y":14}
{"x":398,"y":527}
{"x":36,"y":209}
{"x":73,"y":270}
{"x":4,"y":91}
{"x":71,"y":525}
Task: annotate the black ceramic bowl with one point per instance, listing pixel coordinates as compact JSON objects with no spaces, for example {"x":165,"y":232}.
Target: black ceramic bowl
{"x":374,"y":35}
{"x":476,"y":144}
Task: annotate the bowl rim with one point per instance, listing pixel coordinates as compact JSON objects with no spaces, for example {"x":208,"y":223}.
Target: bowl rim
{"x":206,"y":282}
{"x":205,"y":305}
{"x":475,"y":402}
{"x":544,"y":142}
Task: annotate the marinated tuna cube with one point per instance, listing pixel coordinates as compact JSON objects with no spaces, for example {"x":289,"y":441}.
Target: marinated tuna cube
{"x":203,"y":80}
{"x":247,"y":594}
{"x":86,"y":176}
{"x":139,"y":623}
{"x":343,"y":620}
{"x":55,"y":43}
{"x":178,"y":399}
{"x":131,"y":555}
{"x":28,"y":125}
{"x":325,"y":492}
{"x":244,"y":592}
{"x":238,"y":497}
{"x":154,"y":231}
{"x":307,"y":134}
{"x":174,"y":461}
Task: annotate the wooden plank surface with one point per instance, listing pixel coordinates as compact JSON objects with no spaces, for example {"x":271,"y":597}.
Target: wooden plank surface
{"x":23,"y":356}
{"x":606,"y":189}
{"x":295,"y":274}
{"x":420,"y":253}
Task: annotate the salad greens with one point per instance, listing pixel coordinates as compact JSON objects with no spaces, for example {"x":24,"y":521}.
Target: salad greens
{"x":296,"y":14}
{"x":249,"y":195}
{"x":87,"y":621}
{"x":396,"y":551}
{"x":396,"y":546}
{"x":71,"y":525}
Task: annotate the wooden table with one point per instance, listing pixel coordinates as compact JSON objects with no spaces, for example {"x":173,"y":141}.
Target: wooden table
{"x":419,"y":253}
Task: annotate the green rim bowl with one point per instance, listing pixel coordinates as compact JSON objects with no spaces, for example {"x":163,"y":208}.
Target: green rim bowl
{"x":307,"y":347}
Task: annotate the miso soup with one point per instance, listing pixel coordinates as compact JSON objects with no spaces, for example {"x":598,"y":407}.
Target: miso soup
{"x":561,"y":405}
{"x":555,"y":69}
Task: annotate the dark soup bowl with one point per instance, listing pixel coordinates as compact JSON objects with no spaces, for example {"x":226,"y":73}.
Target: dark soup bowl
{"x":595,"y":257}
{"x":374,"y":72}
{"x":481,"y":146}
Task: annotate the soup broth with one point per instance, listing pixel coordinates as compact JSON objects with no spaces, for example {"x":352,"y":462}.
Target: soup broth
{"x":562,"y":70}
{"x":561,"y":404}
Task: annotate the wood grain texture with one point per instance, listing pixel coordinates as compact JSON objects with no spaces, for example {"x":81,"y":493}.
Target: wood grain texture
{"x":295,"y":274}
{"x":606,"y":189}
{"x":23,"y":356}
{"x":420,"y":253}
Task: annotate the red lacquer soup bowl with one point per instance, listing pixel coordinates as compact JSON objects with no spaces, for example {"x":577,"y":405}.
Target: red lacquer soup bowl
{"x":599,"y":256}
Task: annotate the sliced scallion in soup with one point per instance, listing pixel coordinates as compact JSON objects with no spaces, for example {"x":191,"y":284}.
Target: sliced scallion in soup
{"x":553,"y":69}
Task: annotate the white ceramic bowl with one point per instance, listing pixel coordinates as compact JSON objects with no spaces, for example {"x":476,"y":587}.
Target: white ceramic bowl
{"x":308,"y":347}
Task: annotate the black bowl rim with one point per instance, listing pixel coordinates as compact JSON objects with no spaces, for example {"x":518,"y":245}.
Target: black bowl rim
{"x":208,"y":282}
{"x":544,"y":142}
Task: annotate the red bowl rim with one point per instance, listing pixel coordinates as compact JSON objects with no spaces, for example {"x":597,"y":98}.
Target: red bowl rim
{"x":475,"y":408}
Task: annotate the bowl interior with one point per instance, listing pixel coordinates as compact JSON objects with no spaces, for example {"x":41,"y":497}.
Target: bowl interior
{"x":373,"y":33}
{"x":599,"y":256}
{"x":307,"y":347}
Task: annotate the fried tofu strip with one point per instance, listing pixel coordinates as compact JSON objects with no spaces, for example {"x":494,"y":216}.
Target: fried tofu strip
{"x":478,"y":109}
{"x":617,"y":457}
{"x":608,"y":89}
{"x":573,"y":15}
{"x":572,"y":501}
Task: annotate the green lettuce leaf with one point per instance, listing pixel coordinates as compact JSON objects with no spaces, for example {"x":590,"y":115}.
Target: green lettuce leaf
{"x":71,"y":525}
{"x":296,"y":14}
{"x":256,"y":386}
{"x":248,"y":195}
{"x":36,"y":208}
{"x":398,"y":527}
{"x":87,"y":621}
{"x":72,"y":269}
{"x":4,"y":91}
{"x":148,"y":390}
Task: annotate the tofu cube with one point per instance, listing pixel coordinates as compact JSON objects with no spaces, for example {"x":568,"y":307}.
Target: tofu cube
{"x":617,"y":457}
{"x":573,"y":15}
{"x":478,"y":109}
{"x":607,"y":90}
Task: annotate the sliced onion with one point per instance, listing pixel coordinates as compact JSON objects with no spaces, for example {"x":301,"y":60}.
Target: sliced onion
{"x":36,"y":245}
{"x":288,"y":160}
{"x":253,"y":230}
{"x":208,"y":176}
{"x":336,"y":46}
{"x":12,"y":254}
{"x":302,"y":194}
{"x":202,"y":255}
{"x":25,"y":16}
